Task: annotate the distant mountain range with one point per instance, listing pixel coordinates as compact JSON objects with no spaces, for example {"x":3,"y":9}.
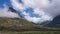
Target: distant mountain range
{"x":55,"y":22}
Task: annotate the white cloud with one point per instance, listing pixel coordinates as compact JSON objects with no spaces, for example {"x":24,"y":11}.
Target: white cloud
{"x":39,"y":11}
{"x":36,"y":3}
{"x":5,"y":13}
{"x":26,"y":14}
{"x":44,"y":8}
{"x":17,"y":5}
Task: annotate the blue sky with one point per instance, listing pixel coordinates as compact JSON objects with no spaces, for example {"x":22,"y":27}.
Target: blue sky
{"x":7,"y":2}
{"x":28,"y":10}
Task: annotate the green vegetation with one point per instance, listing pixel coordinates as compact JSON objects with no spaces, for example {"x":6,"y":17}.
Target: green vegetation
{"x":33,"y":32}
{"x":21,"y":26}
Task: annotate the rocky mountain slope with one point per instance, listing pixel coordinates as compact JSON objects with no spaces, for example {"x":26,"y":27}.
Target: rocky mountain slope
{"x":55,"y":23}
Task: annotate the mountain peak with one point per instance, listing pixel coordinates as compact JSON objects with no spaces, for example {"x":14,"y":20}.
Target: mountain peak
{"x":12,"y":10}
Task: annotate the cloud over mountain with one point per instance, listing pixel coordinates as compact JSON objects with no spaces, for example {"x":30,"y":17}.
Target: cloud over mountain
{"x":5,"y":12}
{"x":46,"y":9}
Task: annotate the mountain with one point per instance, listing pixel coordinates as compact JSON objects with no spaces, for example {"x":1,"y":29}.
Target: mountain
{"x":12,"y":10}
{"x":16,"y":24}
{"x":54,"y":23}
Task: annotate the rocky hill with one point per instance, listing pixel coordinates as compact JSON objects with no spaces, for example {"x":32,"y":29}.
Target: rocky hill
{"x":16,"y":24}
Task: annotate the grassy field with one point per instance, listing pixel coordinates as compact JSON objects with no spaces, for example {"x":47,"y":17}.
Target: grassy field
{"x":32,"y":32}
